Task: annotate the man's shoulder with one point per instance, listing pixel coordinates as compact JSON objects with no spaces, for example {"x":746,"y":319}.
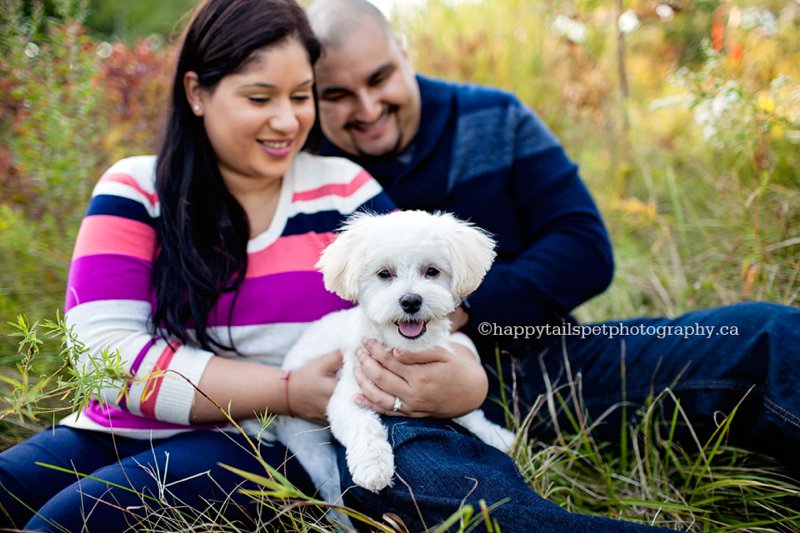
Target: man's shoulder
{"x":472,"y":95}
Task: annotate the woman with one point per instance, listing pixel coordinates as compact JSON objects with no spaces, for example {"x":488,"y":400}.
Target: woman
{"x":198,"y":266}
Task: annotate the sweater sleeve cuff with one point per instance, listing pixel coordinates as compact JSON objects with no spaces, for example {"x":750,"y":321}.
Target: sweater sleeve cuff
{"x":166,"y":388}
{"x":176,"y":396}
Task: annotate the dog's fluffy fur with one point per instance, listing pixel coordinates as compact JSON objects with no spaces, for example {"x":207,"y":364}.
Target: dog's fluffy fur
{"x":407,"y":271}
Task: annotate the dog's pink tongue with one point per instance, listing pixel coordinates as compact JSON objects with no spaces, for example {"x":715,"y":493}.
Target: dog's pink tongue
{"x":412,"y":328}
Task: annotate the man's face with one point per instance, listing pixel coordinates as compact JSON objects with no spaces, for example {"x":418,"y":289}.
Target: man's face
{"x":369,"y":102}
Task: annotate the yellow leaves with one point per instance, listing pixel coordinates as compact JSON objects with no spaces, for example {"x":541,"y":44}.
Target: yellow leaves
{"x":748,"y":273}
{"x":635,"y":206}
{"x":781,"y":107}
{"x":765,"y":102}
{"x":636,"y":213}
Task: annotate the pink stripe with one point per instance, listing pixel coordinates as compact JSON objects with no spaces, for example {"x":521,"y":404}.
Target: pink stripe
{"x":287,"y":254}
{"x":153,"y":385}
{"x":130,"y":181}
{"x":108,"y":234}
{"x":334,"y":189}
{"x":111,"y":417}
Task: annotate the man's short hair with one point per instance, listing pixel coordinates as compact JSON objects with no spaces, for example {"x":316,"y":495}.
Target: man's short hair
{"x":334,"y":20}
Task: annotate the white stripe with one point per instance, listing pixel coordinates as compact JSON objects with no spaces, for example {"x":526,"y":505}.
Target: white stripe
{"x":141,"y":168}
{"x":123,"y":324}
{"x":313,"y":171}
{"x":344,"y":205}
{"x":265,"y":343}
{"x":114,"y":188}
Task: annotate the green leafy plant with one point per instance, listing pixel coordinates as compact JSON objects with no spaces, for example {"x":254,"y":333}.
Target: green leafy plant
{"x":38,"y":391}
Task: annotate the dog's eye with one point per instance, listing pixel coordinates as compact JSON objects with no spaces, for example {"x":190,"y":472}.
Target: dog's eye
{"x":384,"y":274}
{"x":431,"y":272}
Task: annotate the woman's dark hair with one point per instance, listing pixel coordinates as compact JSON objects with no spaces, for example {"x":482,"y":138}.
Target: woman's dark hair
{"x":202,"y":230}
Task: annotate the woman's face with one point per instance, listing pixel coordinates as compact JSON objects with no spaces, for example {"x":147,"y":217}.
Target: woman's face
{"x":258,"y":119}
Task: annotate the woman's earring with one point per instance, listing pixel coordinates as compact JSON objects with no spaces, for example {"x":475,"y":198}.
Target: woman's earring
{"x":196,"y":108}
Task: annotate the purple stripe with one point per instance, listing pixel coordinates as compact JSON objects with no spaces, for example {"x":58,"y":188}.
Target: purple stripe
{"x":142,"y":353}
{"x":276,"y":298}
{"x":111,"y":417}
{"x":107,"y":277}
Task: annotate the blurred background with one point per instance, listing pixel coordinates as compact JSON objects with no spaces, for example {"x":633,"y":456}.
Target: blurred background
{"x":683,"y":114}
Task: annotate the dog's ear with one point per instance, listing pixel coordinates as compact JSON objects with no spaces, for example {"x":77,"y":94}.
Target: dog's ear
{"x":471,"y":255}
{"x":343,"y":260}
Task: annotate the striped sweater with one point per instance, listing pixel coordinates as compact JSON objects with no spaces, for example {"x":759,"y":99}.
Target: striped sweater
{"x":110,"y":296}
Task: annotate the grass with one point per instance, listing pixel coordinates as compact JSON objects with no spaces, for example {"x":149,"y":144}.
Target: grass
{"x":647,"y":476}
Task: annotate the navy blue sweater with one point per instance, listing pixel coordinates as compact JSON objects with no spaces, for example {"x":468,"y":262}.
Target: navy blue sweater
{"x":482,"y":155}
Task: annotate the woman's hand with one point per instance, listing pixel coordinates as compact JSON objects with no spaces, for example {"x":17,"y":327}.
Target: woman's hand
{"x":458,"y":319}
{"x":311,"y":387}
{"x":435,"y":383}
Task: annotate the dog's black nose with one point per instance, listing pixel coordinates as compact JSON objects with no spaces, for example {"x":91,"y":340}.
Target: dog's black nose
{"x":411,"y":303}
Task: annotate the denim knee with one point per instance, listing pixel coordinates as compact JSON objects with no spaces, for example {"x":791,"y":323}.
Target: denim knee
{"x":438,"y":457}
{"x":26,"y":485}
{"x":440,"y":467}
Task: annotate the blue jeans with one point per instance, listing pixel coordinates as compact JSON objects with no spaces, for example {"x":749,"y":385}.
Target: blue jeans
{"x":710,"y":375}
{"x":188,"y":464}
{"x":439,"y":466}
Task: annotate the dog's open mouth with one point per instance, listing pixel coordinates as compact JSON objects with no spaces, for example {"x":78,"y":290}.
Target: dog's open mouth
{"x":411,"y":329}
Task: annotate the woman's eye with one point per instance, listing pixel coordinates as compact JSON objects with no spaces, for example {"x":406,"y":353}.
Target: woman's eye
{"x":301,"y":97}
{"x":431,"y":272}
{"x":258,"y":99}
{"x":384,"y":274}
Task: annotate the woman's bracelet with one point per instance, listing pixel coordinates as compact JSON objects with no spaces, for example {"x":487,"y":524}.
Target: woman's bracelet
{"x":285,"y":378}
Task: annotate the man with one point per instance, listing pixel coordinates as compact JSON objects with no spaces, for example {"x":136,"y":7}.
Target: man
{"x":479,"y":153}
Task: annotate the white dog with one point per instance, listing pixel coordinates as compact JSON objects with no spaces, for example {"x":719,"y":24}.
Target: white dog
{"x":407,"y":271}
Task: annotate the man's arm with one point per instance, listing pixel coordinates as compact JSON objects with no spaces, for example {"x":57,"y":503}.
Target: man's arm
{"x":559,"y":254}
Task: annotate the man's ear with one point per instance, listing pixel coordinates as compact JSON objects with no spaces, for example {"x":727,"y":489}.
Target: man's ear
{"x":194,"y":93}
{"x":343,"y":260}
{"x":471,"y":255}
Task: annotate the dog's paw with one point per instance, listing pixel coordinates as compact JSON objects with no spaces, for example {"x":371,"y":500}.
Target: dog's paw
{"x":371,"y":464}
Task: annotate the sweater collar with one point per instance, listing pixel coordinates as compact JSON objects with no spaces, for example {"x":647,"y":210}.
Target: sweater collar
{"x":437,"y":109}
